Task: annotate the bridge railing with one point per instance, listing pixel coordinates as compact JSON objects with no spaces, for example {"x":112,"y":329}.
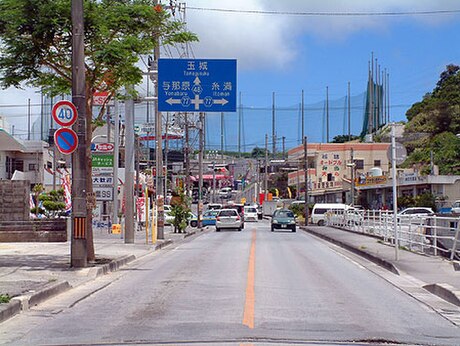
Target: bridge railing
{"x":433,"y":235}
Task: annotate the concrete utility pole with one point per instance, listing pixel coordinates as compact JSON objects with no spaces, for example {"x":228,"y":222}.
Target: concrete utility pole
{"x":266,"y":169}
{"x":305,"y":153}
{"x":187,"y":157}
{"x":352,"y":166}
{"x":273,"y":127}
{"x":116,"y":150}
{"x":327,"y":114}
{"x":303,"y":115}
{"x":129,"y":168}
{"x":78,"y":250}
{"x":200,"y":170}
{"x":159,"y":147}
{"x":395,"y":196}
{"x":222,"y":136}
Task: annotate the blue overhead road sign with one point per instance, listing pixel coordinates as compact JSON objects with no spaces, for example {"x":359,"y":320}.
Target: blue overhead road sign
{"x":197,"y":85}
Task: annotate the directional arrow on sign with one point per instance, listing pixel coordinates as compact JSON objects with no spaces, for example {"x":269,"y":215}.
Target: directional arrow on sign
{"x":172,"y":101}
{"x":220,"y":102}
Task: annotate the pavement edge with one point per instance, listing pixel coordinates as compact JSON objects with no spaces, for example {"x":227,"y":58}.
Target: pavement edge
{"x":22,"y":303}
{"x":371,"y":257}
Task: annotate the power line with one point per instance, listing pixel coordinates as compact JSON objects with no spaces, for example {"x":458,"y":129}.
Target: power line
{"x":330,"y":14}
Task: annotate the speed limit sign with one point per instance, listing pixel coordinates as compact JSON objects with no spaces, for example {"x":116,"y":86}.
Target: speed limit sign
{"x":64,"y":113}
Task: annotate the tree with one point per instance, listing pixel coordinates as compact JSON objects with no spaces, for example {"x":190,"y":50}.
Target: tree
{"x":344,"y":138}
{"x":258,"y":152}
{"x":36,"y":42}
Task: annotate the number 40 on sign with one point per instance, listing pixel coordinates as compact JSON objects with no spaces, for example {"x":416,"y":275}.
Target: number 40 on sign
{"x":64,"y":113}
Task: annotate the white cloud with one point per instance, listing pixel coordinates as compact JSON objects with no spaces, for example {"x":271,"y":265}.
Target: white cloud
{"x":266,"y":40}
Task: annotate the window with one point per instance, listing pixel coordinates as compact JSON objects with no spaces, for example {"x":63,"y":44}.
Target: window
{"x":32,"y":166}
{"x":377,"y":163}
{"x":49,"y":164}
{"x":359,"y":164}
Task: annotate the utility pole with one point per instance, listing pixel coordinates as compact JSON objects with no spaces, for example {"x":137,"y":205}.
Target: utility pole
{"x":166,"y":153}
{"x":305,"y":153}
{"x":222,"y":136}
{"x":78,"y":250}
{"x":200,"y":170}
{"x":187,"y":157}
{"x":327,"y":114}
{"x":395,"y":196}
{"x":303,"y":115}
{"x":129,"y":167}
{"x":159,"y":145}
{"x":116,"y":151}
{"x":28,"y":120}
{"x":213,"y":182}
{"x":349,"y":113}
{"x":266,"y":169}
{"x":284,"y":147}
{"x":273,"y":127}
{"x":352,"y":165}
{"x":239,"y":127}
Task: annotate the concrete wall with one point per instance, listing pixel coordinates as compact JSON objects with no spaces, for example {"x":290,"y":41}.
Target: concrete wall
{"x":14,"y":200}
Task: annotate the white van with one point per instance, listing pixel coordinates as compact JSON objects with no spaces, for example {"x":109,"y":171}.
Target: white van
{"x":318,"y":216}
{"x":456,"y":207}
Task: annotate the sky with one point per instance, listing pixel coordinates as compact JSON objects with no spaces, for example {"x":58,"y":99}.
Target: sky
{"x":283,"y":53}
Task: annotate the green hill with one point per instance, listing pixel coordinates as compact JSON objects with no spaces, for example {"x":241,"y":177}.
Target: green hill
{"x":434,"y":122}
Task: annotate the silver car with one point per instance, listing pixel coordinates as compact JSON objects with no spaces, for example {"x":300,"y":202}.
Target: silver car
{"x":228,"y":218}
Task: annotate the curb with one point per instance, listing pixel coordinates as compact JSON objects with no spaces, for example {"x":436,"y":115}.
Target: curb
{"x":22,"y":303}
{"x":371,"y":257}
{"x":444,"y":291}
{"x":9,"y":309}
{"x":163,"y":244}
{"x":113,"y":265}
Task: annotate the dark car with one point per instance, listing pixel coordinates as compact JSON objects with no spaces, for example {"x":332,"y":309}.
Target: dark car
{"x":283,"y":219}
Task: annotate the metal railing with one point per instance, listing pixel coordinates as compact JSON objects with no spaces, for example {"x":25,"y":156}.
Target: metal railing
{"x":432,"y":235}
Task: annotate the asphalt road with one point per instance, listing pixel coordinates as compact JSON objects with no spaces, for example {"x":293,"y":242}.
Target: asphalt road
{"x":234,"y":288}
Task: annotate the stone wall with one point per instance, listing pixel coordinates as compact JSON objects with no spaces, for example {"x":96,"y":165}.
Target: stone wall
{"x":49,"y":230}
{"x":14,"y":200}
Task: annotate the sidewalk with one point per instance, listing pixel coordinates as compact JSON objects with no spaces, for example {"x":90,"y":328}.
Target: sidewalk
{"x":34,"y":272}
{"x":439,"y":275}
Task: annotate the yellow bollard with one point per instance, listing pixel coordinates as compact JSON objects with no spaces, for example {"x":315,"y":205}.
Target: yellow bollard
{"x":154,"y":228}
{"x":116,"y":228}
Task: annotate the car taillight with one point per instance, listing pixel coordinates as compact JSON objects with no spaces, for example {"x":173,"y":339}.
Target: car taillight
{"x":217,"y":218}
{"x":237,"y":218}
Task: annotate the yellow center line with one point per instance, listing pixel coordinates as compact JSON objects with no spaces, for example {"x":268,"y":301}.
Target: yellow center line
{"x":248,"y":316}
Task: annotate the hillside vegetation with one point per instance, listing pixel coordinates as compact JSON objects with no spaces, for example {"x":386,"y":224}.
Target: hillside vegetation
{"x":435,"y":123}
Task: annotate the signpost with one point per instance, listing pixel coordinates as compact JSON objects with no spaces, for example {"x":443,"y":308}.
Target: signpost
{"x":197,"y":85}
{"x":66,"y":140}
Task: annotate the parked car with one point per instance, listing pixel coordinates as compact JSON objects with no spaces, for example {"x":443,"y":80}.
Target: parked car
{"x":415,"y":214}
{"x":214,"y":206}
{"x":318,"y":214}
{"x":416,"y":211}
{"x":225,"y":193}
{"x":167,"y":214}
{"x":250,"y":213}
{"x":283,"y":219}
{"x":456,"y":207}
{"x":229,"y":218}
{"x":209,"y":218}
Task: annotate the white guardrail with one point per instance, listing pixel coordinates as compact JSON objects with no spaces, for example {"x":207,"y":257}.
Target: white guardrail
{"x":432,"y":235}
